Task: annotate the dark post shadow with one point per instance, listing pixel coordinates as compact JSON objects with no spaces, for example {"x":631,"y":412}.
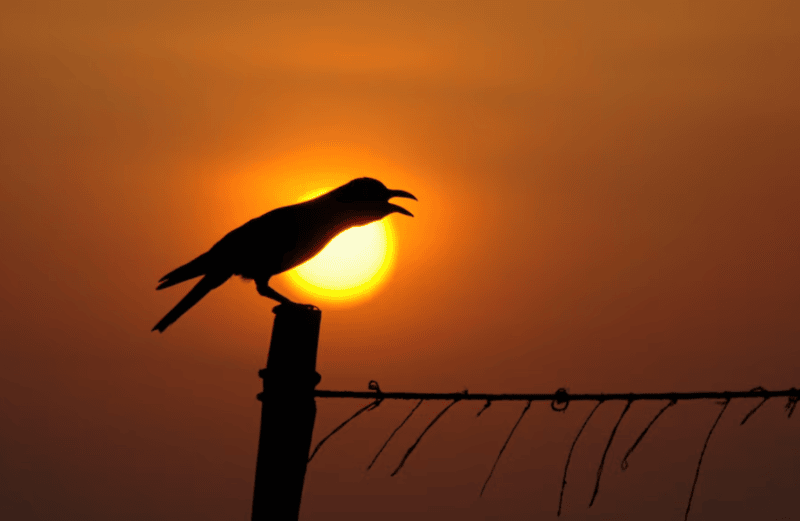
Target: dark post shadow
{"x":288,"y":411}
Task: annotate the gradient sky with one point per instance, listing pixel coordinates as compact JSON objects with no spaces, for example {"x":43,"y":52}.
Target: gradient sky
{"x":608,"y":202}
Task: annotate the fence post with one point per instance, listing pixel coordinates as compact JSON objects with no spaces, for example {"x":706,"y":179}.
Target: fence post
{"x":287,"y":413}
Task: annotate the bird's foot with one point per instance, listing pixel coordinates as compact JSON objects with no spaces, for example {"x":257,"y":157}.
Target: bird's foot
{"x":264,"y":290}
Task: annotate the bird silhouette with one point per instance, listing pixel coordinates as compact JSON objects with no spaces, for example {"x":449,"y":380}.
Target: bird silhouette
{"x":280,"y":240}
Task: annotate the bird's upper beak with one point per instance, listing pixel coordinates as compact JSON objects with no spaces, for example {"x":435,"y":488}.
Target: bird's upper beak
{"x":400,"y":209}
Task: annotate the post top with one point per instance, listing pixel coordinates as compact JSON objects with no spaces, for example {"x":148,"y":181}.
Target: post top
{"x":296,"y":308}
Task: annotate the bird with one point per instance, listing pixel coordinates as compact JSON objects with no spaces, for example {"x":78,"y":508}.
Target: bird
{"x":281,"y":239}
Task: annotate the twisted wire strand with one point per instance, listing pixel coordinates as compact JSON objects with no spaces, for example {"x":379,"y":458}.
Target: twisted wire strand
{"x":367,"y":407}
{"x":702,"y":453}
{"x":414,"y":446}
{"x":624,"y":463}
{"x":605,"y":452}
{"x":394,"y":432}
{"x":503,"y":448}
{"x":569,"y":456}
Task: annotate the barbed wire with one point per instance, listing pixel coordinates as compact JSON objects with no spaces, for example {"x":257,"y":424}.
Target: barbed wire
{"x":559,"y":401}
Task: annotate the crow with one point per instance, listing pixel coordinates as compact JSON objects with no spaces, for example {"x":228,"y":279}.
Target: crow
{"x":280,"y":240}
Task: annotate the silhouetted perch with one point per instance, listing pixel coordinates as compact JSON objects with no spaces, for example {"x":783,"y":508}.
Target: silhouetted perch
{"x":288,"y":411}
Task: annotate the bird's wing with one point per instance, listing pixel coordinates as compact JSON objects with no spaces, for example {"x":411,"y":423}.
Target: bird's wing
{"x":259,"y":246}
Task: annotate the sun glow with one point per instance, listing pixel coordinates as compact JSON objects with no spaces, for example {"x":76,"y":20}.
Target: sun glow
{"x":351,"y":266}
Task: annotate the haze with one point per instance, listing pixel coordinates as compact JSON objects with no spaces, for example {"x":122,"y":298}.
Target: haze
{"x":608,"y":200}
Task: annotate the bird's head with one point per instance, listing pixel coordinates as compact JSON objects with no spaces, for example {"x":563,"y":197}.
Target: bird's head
{"x":369,"y":198}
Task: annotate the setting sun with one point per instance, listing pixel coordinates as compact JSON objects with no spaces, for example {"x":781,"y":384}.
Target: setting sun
{"x":351,"y":266}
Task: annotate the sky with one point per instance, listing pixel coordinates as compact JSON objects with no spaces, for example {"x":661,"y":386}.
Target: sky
{"x":608,"y":199}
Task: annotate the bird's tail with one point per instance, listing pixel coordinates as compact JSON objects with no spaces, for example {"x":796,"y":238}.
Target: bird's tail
{"x":200,"y":290}
{"x":190,"y":270}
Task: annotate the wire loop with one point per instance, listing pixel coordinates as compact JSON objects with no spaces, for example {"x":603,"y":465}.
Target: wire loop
{"x":561,"y":397}
{"x":373,"y":386}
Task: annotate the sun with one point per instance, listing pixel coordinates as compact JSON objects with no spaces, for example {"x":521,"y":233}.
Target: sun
{"x":351,"y":266}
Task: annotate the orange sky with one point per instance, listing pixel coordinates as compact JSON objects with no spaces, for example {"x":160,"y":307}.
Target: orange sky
{"x":608,"y":202}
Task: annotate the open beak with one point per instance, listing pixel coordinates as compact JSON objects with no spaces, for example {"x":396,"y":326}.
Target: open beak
{"x":404,"y":194}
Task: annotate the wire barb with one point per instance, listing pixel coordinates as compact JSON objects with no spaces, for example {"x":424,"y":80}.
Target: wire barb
{"x":624,"y":463}
{"x":569,"y":456}
{"x":702,"y":453}
{"x":503,"y":448}
{"x":414,"y":446}
{"x":393,"y":433}
{"x":605,"y":452}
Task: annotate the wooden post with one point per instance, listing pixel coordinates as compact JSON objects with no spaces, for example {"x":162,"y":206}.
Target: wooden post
{"x":287,"y":413}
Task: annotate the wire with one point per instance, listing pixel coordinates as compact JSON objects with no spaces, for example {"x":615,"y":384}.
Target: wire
{"x":525,"y":410}
{"x":569,"y":456}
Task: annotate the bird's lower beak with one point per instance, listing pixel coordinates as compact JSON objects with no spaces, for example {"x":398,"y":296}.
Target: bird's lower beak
{"x":401,"y":193}
{"x":400,"y":209}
